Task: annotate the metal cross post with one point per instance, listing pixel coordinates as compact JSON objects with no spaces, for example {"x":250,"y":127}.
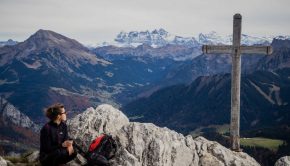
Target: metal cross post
{"x":235,"y":50}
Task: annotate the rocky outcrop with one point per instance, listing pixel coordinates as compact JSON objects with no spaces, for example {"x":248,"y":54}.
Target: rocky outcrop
{"x":3,"y":162}
{"x":21,"y":160}
{"x":147,"y":144}
{"x":11,"y":115}
{"x":283,"y":161}
{"x":33,"y":157}
{"x":93,"y":122}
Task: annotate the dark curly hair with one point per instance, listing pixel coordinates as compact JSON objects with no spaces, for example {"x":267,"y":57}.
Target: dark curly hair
{"x":53,"y":111}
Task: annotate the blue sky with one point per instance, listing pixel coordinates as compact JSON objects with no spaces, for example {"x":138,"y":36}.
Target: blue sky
{"x":95,"y":21}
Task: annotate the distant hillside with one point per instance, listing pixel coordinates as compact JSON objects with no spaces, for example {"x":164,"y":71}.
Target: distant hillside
{"x":49,"y":67}
{"x":17,"y":132}
{"x":264,"y":99}
{"x":9,"y":42}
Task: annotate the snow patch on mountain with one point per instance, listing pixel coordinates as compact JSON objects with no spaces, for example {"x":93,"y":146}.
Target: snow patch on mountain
{"x":213,"y":38}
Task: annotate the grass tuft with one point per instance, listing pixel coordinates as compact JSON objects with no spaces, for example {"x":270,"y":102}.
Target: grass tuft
{"x":272,"y":144}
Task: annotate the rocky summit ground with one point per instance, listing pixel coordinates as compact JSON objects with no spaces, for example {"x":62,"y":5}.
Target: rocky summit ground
{"x":145,"y":144}
{"x":148,"y":144}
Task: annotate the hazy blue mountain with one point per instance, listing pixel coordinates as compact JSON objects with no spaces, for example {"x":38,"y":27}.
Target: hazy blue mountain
{"x":175,"y":52}
{"x":9,"y":42}
{"x":190,"y":63}
{"x":49,"y":67}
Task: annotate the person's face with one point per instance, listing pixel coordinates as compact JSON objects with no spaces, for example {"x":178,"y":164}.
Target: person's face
{"x":62,"y":115}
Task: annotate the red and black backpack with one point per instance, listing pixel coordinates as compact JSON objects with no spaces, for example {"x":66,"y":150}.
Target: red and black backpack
{"x":101,"y":150}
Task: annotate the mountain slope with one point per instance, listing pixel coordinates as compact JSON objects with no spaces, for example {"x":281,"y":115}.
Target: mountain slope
{"x":9,"y":42}
{"x":48,"y":41}
{"x":48,"y":68}
{"x":280,"y":58}
{"x":16,"y":129}
{"x":211,"y":64}
{"x":187,"y":63}
{"x":264,"y":99}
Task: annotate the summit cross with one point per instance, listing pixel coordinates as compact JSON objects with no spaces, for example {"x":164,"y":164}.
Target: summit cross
{"x":236,"y":50}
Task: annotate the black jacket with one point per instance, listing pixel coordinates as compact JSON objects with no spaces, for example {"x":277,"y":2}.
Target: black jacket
{"x":51,"y":138}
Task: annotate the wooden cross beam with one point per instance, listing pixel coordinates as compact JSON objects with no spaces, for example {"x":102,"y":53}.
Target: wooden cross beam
{"x":236,"y":50}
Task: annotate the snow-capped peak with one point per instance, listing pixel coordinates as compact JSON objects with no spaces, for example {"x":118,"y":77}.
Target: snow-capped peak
{"x":134,"y":38}
{"x":155,"y":38}
{"x":213,"y":38}
{"x":252,"y":40}
{"x":160,"y":38}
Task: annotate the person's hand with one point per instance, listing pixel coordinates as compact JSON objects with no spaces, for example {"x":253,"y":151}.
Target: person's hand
{"x":70,"y":150}
{"x":67,"y":143}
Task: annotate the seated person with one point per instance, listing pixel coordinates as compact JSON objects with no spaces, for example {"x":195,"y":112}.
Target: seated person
{"x":55,"y":147}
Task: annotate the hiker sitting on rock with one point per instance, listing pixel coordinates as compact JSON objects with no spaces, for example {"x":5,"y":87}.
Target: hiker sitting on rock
{"x":55,"y":147}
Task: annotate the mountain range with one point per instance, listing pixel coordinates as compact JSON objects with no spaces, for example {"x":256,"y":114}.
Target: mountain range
{"x":49,"y":67}
{"x":265,"y":94}
{"x":160,"y":38}
{"x":163,"y":79}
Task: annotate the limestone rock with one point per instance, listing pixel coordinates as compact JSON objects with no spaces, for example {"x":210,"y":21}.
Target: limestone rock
{"x":283,"y":161}
{"x":93,"y":122}
{"x":9,"y":163}
{"x":3,"y":162}
{"x":79,"y":160}
{"x":146,"y":144}
{"x":12,"y":115}
{"x":33,"y":157}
